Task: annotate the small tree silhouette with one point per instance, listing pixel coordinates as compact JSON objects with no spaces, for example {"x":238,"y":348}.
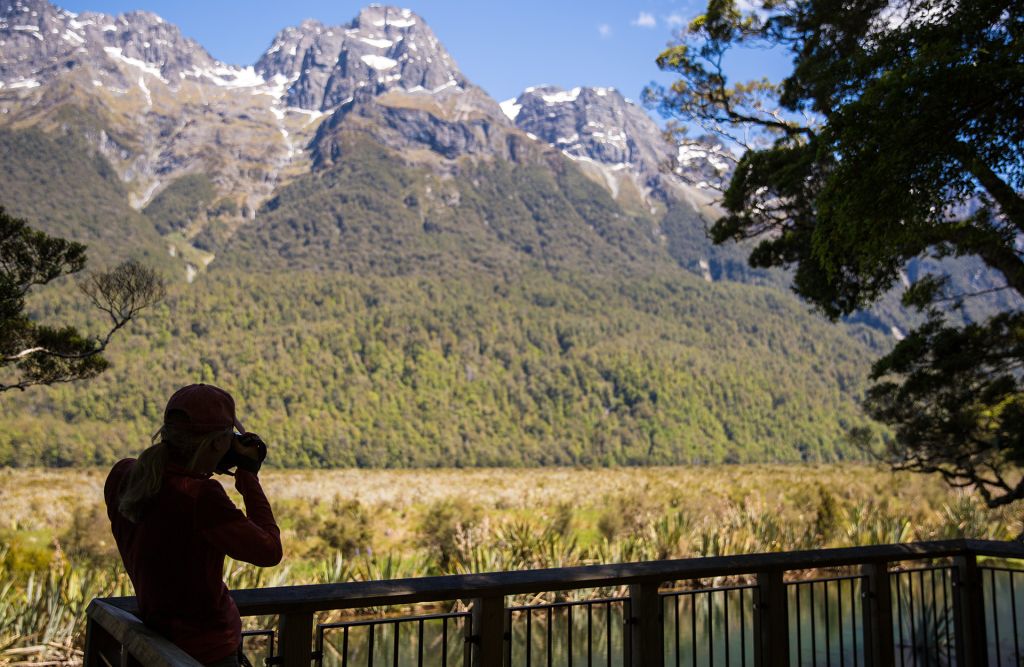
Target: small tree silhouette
{"x":42,"y":354}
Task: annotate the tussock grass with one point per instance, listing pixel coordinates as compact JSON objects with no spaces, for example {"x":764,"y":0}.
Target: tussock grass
{"x":56,"y":552}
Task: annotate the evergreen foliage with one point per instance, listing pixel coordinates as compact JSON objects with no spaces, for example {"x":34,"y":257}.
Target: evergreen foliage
{"x":36,"y":354}
{"x":374,"y":214}
{"x":379,"y":313}
{"x":339,"y":370}
{"x":69,"y":191}
{"x":896,"y":136}
{"x":182,"y":203}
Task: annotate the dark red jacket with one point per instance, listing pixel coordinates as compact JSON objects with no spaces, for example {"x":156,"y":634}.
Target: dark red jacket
{"x":175,"y":554}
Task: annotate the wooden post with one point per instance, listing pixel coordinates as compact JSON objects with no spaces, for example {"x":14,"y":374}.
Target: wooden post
{"x":100,"y":646}
{"x":129,"y":660}
{"x":646,"y":625}
{"x":296,"y":639}
{"x":876,"y":608}
{"x":969,"y":612}
{"x":771,"y":621}
{"x":488,"y":638}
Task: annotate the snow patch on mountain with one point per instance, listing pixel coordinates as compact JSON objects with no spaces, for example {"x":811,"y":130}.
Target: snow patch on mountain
{"x":145,"y":91}
{"x":377,"y":43}
{"x":705,"y":270}
{"x":116,"y":53}
{"x":692,"y":153}
{"x":226,"y":76}
{"x":31,"y":29}
{"x":510,"y":108}
{"x":378,"y":62}
{"x":562,"y":97}
{"x":24,"y":83}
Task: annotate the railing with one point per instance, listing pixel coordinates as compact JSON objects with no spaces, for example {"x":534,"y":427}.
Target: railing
{"x":928,"y":604}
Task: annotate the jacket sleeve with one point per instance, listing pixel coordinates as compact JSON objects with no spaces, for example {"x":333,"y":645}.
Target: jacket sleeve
{"x":112,"y":487}
{"x":252,"y":537}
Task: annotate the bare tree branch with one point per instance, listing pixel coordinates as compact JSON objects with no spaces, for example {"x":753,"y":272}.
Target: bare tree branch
{"x":121,"y":293}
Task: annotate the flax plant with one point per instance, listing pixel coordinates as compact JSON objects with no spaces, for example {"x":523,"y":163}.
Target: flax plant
{"x":530,"y":522}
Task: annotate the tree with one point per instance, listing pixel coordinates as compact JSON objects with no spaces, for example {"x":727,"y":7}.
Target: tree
{"x":41,"y":354}
{"x":898,"y":134}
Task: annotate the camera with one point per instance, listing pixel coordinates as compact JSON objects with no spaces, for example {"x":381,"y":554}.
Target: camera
{"x":233,"y":459}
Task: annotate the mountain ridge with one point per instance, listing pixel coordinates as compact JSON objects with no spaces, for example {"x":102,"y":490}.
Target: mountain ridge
{"x":164,"y":113}
{"x":308,"y":72}
{"x":398,"y":273}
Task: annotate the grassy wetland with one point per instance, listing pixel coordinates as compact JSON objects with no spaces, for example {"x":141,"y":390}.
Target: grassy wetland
{"x":56,"y":552}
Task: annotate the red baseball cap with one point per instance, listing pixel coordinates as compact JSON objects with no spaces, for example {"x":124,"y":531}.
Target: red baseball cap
{"x":201,"y":408}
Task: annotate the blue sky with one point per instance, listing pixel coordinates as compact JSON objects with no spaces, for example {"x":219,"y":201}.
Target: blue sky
{"x":501,"y":46}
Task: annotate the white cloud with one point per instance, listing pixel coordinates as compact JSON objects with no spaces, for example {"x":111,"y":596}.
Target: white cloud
{"x":604,"y":30}
{"x":645,"y":20}
{"x":675,"y":20}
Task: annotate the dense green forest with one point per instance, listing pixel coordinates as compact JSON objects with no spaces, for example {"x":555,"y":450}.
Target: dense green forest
{"x":381,"y":313}
{"x":413,"y":371}
{"x":63,"y":187}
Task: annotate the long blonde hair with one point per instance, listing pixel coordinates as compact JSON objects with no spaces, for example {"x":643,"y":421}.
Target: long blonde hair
{"x":170,"y":444}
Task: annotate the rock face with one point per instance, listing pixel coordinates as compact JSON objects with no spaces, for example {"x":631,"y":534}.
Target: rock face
{"x":381,"y":49}
{"x":592,"y":123}
{"x":41,"y":42}
{"x":448,"y":124}
{"x":618,"y":138}
{"x":160,"y":108}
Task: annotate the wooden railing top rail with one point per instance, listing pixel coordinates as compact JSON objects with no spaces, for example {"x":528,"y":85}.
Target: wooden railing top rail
{"x":145,"y":645}
{"x":321,"y":597}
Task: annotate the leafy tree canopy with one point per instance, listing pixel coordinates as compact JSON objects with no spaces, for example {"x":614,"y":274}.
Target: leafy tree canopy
{"x":32,"y":353}
{"x":896,"y":135}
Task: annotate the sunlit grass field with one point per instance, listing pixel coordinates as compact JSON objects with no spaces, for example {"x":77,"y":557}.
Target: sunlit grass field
{"x":56,"y":552}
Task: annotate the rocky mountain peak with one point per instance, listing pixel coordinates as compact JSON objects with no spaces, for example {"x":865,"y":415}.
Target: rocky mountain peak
{"x":27,"y":39}
{"x":592,"y":123}
{"x":612,"y":134}
{"x":381,"y":16}
{"x":33,"y":8}
{"x":146,"y":37}
{"x":40,"y":41}
{"x":381,"y":49}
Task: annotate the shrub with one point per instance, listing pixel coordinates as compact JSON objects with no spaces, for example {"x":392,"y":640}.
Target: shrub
{"x":348,"y":528}
{"x":441,"y":526}
{"x":89,"y":537}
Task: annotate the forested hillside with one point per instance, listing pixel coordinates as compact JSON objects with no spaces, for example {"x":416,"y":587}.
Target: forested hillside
{"x":62,"y":185}
{"x":374,"y":214}
{"x":377,"y":313}
{"x":336,"y":370}
{"x":400,"y":276}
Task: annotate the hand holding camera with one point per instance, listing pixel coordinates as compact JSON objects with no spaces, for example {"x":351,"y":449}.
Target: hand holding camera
{"x":247,"y":452}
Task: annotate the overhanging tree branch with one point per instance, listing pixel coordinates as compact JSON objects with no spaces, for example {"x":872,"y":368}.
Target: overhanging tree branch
{"x":1010,"y":202}
{"x":38,"y":354}
{"x":905,"y":137}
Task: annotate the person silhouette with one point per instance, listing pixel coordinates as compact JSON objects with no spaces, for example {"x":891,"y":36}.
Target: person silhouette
{"x":174,"y":525}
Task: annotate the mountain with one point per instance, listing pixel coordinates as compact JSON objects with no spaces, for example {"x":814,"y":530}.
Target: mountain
{"x":43,"y":42}
{"x":150,"y":101}
{"x":382,"y":49}
{"x":201,"y":145}
{"x":610,"y":134}
{"x":392,"y":268}
{"x":617,"y":144}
